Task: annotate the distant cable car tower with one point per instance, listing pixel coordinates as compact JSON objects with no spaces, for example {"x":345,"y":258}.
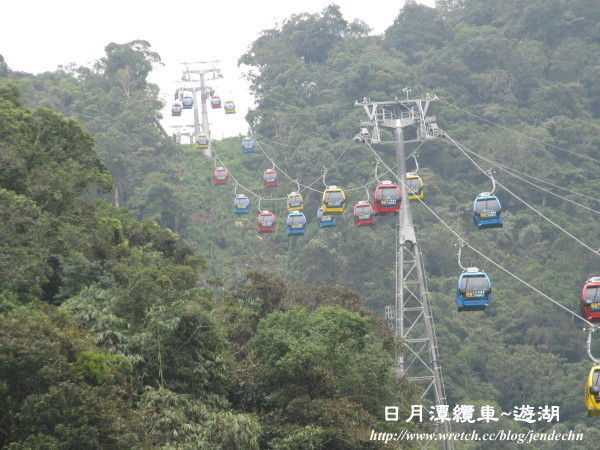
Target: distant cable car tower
{"x":205,"y":92}
{"x":417,"y":357}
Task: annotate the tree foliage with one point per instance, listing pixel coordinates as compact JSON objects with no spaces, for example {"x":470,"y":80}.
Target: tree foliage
{"x":228,"y":338}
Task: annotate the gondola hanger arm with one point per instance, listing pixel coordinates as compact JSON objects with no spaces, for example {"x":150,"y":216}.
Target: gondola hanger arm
{"x":376,"y":162}
{"x":490,"y":173}
{"x":460,"y":246}
{"x":416,"y":163}
{"x":590,"y":330}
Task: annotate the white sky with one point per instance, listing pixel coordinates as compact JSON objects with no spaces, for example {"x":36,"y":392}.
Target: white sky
{"x":38,"y":36}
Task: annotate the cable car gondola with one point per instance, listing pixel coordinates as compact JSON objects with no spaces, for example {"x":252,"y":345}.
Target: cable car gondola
{"x":248,"y":145}
{"x":266,"y":221}
{"x":176,"y":109}
{"x":590,"y":300}
{"x":474,"y":290}
{"x":388,"y":198}
{"x":487,"y":211}
{"x":187,"y":101}
{"x":229,"y":107}
{"x":592,"y":392}
{"x":364,"y":214}
{"x":325,"y":220}
{"x":221,"y":175}
{"x":270,"y":178}
{"x":215,"y":102}
{"x":296,"y":223}
{"x":414,"y":186}
{"x":295,"y":202}
{"x":333,"y":200}
{"x":241,"y":204}
{"x":202,"y":141}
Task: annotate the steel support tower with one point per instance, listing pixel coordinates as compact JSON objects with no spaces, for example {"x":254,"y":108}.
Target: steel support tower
{"x":205,"y":91}
{"x":416,"y":351}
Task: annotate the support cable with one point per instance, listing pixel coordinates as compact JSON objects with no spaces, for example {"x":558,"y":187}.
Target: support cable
{"x":237,"y":183}
{"x":520,"y":134}
{"x":508,"y":272}
{"x":510,"y":170}
{"x":459,"y":146}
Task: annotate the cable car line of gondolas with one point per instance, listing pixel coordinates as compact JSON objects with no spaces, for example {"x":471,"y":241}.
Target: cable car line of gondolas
{"x":294,"y":207}
{"x":333,"y":199}
{"x":474,"y":292}
{"x":474,"y":287}
{"x":589,"y":304}
{"x":589,"y":296}
{"x":464,"y":243}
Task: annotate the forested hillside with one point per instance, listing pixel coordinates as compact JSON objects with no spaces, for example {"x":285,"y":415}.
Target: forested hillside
{"x":137,"y":310}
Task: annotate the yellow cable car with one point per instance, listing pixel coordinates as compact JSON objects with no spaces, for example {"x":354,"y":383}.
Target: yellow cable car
{"x":592,"y":392}
{"x":229,"y":107}
{"x":333,"y":201}
{"x":414,"y":186}
{"x":295,"y":202}
{"x":202,"y":141}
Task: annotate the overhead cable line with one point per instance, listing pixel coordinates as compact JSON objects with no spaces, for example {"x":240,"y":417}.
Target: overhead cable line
{"x":509,"y":171}
{"x":520,"y":134}
{"x":460,"y":147}
{"x":305,"y":110}
{"x":305,"y":187}
{"x":237,"y":183}
{"x":513,"y":275}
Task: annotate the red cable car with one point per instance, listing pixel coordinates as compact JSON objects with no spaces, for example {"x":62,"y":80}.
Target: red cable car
{"x":270,"y":178}
{"x":221,"y":175}
{"x":215,"y":102}
{"x":176,"y":109}
{"x":590,"y":300}
{"x":364,"y":214}
{"x":388,"y":198}
{"x":266,"y":221}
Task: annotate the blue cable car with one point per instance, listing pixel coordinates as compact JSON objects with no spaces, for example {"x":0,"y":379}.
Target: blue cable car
{"x":241,"y":204}
{"x":248,"y":145}
{"x":325,"y":220}
{"x":487,"y":211}
{"x":333,"y":200}
{"x":474,"y":290}
{"x":187,"y":101}
{"x":296,"y":223}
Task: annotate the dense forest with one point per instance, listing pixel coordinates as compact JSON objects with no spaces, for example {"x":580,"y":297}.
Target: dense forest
{"x":138,"y":311}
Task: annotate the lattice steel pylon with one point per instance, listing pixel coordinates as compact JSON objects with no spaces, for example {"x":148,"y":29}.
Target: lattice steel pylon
{"x":204,"y":92}
{"x":416,"y":352}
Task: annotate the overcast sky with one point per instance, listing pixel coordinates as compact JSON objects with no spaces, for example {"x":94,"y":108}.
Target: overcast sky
{"x":38,"y":36}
